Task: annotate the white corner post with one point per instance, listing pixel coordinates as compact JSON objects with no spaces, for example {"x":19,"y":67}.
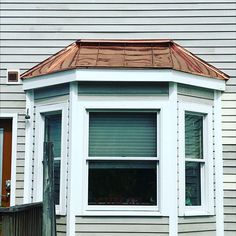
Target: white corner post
{"x":28,"y":146}
{"x":72,"y":166}
{"x":218,"y":165}
{"x":172,"y":161}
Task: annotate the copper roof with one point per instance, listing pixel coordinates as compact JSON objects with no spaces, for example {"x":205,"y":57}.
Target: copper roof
{"x":156,"y":54}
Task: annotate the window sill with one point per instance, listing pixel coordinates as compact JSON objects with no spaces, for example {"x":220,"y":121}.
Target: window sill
{"x":120,"y":213}
{"x":60,"y":211}
{"x":197,"y":213}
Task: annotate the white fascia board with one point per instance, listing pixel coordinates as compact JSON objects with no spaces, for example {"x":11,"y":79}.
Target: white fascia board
{"x":123,"y":75}
{"x":49,"y":80}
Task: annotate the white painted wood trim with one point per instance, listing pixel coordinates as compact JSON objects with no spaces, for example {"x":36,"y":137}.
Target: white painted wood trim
{"x":113,"y":210}
{"x":124,"y":75}
{"x":39,"y":139}
{"x":28,"y":147}
{"x":73,"y":169}
{"x":207,"y":207}
{"x":172,"y":161}
{"x":121,"y":102}
{"x":218,"y":165}
{"x":14,"y":154}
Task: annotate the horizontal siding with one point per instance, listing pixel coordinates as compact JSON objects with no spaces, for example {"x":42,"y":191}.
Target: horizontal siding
{"x":61,"y":225}
{"x":122,"y":226}
{"x":33,"y":30}
{"x":201,"y":225}
{"x":51,"y":91}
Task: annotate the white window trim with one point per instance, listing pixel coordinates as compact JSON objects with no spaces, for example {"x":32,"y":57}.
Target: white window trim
{"x":87,"y":159}
{"x":13,"y":157}
{"x":38,"y":166}
{"x":207,"y":188}
{"x":98,"y":102}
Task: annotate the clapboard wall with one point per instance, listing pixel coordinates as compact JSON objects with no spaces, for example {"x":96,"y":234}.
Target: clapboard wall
{"x":32,"y":30}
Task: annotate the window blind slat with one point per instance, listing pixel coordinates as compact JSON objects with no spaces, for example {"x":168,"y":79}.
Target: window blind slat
{"x":127,"y":134}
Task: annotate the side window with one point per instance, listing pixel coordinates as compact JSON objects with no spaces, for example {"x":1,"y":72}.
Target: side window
{"x":194,"y":159}
{"x":53,"y":124}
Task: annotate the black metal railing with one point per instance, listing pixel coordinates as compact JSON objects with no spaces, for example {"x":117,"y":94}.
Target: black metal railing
{"x":22,"y":220}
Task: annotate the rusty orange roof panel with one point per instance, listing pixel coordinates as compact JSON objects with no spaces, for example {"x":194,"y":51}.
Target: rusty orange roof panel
{"x":156,"y":54}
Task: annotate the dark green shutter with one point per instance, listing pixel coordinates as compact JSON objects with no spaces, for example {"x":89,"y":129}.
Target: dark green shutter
{"x":122,"y":134}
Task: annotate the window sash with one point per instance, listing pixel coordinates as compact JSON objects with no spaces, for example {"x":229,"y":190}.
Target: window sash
{"x":123,"y":146}
{"x":155,"y":158}
{"x":196,"y":126}
{"x":53,"y":133}
{"x":204,"y":182}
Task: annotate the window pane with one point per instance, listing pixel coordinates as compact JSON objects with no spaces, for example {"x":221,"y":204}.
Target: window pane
{"x":122,"y":183}
{"x":124,"y":134}
{"x":192,"y":184}
{"x":193,"y":136}
{"x":53,"y":134}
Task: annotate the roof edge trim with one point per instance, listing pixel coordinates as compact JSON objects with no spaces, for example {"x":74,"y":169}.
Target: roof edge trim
{"x":120,"y":75}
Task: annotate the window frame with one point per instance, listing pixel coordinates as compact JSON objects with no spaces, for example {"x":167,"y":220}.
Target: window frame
{"x":156,"y":159}
{"x":207,"y":185}
{"x":84,"y":103}
{"x":41,"y":111}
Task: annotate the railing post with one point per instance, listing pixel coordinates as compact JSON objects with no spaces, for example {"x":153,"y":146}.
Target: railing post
{"x":49,"y":220}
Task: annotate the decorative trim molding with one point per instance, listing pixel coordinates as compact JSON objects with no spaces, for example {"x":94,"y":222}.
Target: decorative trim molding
{"x":125,"y":75}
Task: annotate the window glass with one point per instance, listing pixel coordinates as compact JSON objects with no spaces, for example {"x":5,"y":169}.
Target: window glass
{"x":121,"y":134}
{"x":53,"y":134}
{"x":193,"y":136}
{"x":192,"y":184}
{"x":122,"y":183}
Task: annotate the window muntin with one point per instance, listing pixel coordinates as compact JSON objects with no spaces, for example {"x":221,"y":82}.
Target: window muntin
{"x":194,"y":159}
{"x":122,"y":148}
{"x":53,"y":124}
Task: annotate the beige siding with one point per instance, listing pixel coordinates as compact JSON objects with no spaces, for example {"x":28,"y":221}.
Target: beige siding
{"x":122,"y":226}
{"x":202,"y":225}
{"x":33,"y":30}
{"x":61,"y":225}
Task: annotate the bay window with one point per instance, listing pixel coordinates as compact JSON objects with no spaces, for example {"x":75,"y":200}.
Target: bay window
{"x":122,"y":158}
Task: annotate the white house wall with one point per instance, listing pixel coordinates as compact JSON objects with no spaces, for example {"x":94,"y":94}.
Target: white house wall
{"x":33,"y":30}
